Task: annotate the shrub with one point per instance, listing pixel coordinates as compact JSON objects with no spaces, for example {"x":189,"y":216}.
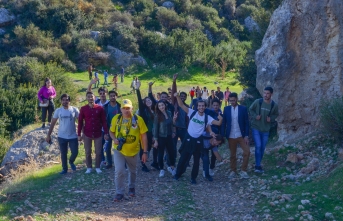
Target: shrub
{"x":331,"y":117}
{"x":86,"y":45}
{"x":46,"y":55}
{"x":68,"y":65}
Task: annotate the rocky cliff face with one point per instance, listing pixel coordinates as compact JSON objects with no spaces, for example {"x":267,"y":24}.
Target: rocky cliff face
{"x":302,"y":59}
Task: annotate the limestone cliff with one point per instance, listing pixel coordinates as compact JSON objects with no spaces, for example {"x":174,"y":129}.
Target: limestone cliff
{"x":302,"y":58}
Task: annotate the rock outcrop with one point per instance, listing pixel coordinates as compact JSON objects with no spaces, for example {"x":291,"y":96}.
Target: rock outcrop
{"x":6,"y":17}
{"x":32,"y":147}
{"x":118,"y":58}
{"x":251,"y":24}
{"x":301,"y":58}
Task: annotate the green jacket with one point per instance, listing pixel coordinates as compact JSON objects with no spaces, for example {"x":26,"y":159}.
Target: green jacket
{"x":262,"y":124}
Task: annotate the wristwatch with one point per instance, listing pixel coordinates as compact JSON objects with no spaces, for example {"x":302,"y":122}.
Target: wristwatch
{"x":145,"y":152}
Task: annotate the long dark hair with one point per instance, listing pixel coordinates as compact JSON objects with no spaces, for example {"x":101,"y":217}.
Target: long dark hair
{"x":159,"y":114}
{"x":46,"y":79}
{"x":150,"y":112}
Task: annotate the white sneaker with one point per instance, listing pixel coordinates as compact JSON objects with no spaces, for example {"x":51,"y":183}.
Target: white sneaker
{"x":170,"y":170}
{"x":203,"y":173}
{"x":98,"y":170}
{"x":161,"y":173}
{"x":244,"y":175}
{"x":89,"y":170}
{"x":174,"y":172}
{"x":232,"y":175}
{"x":211,"y":172}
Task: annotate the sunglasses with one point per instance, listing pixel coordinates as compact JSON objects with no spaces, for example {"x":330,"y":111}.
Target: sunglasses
{"x":102,"y":93}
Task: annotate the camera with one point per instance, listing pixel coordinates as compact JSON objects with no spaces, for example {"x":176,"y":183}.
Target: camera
{"x":121,"y":140}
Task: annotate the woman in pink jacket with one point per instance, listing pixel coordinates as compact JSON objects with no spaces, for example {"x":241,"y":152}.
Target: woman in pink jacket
{"x":46,"y":94}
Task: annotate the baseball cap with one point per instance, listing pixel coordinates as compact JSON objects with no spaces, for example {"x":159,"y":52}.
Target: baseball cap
{"x":127,"y":103}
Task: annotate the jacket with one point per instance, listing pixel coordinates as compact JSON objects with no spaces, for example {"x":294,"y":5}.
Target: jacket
{"x":161,"y":129}
{"x":243,"y":121}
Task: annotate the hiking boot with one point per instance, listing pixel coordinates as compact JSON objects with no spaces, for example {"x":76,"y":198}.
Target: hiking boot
{"x":232,"y":175}
{"x":132,"y":192}
{"x":244,"y":175}
{"x":161,"y":173}
{"x":118,"y":197}
{"x":64,"y":172}
{"x":193,"y":181}
{"x":72,"y":166}
{"x":89,"y":170}
{"x":211,"y":172}
{"x":145,"y":168}
{"x":155,"y":165}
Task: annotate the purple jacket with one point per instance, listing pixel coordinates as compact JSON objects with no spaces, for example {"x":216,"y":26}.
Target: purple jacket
{"x":45,"y":93}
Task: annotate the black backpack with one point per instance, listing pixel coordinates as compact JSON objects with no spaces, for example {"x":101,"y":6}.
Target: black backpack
{"x":206,"y":118}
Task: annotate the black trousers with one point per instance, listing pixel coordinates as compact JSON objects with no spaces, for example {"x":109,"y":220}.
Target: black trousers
{"x":149,"y":135}
{"x":49,"y":109}
{"x":190,"y":146}
{"x":213,"y":161}
{"x":165,"y":143}
{"x":74,"y":149}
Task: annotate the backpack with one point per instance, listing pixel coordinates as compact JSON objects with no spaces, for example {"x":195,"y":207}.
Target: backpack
{"x":206,"y":118}
{"x":274,"y":123}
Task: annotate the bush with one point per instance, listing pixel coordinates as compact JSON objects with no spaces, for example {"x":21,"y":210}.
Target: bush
{"x":86,"y":45}
{"x":68,"y":65}
{"x":46,"y":55}
{"x":331,"y":117}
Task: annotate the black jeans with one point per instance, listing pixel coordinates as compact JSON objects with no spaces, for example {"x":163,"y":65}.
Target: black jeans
{"x":108,"y":150}
{"x":180,"y":133}
{"x":50,"y":109}
{"x":74,"y":149}
{"x":190,"y":146}
{"x":213,"y":161}
{"x":165,"y":143}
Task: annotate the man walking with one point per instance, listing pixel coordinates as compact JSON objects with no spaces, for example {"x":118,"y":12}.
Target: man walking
{"x":263,"y":111}
{"x":127,"y":131}
{"x":105,"y":78}
{"x":92,"y":119}
{"x":193,"y":142}
{"x":111,"y":108}
{"x":122,"y":74}
{"x":235,"y":128}
{"x":90,"y":69}
{"x":220,"y":96}
{"x":226,"y":96}
{"x":67,"y":116}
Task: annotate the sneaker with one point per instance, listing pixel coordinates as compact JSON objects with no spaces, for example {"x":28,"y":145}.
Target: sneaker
{"x":244,"y":175}
{"x":98,"y":170}
{"x":72,"y":166}
{"x":211,"y":172}
{"x":232,"y":175}
{"x":258,"y":169}
{"x":170,"y":170}
{"x":49,"y":124}
{"x":64,"y":172}
{"x":103,"y":164}
{"x":155,"y":165}
{"x":145,"y":168}
{"x":193,"y":181}
{"x":161,"y":173}
{"x":43,"y":126}
{"x":132,"y":192}
{"x":118,"y":197}
{"x":174,"y":171}
{"x":203,"y":174}
{"x":108,"y":166}
{"x":209,"y":178}
{"x":89,"y":170}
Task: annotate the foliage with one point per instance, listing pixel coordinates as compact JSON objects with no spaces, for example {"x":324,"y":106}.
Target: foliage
{"x":46,"y":55}
{"x":331,"y":117}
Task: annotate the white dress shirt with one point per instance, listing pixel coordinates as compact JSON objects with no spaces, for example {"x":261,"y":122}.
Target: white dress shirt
{"x":235,"y":130}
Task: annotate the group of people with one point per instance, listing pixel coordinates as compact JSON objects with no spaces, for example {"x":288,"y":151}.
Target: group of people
{"x":156,"y":127}
{"x":197,"y":93}
{"x":91,"y":68}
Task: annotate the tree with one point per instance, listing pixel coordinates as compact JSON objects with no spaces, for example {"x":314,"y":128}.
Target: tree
{"x":228,"y":55}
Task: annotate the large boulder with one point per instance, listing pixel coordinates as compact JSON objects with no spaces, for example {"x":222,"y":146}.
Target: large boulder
{"x":118,"y":58}
{"x":301,"y":58}
{"x":6,"y":17}
{"x":31,"y":149}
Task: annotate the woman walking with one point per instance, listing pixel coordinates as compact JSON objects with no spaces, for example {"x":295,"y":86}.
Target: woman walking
{"x":163,"y":130}
{"x":146,"y":111}
{"x":45,"y":95}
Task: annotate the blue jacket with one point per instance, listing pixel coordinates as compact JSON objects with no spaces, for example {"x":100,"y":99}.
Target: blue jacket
{"x":243,"y":121}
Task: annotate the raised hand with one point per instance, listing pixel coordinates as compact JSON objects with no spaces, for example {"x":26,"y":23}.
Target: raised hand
{"x":175,"y":77}
{"x":151,"y":83}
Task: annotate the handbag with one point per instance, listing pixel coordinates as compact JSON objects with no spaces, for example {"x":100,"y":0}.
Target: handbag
{"x":45,"y":104}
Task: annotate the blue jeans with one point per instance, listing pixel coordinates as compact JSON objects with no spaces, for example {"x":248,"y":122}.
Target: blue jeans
{"x":261,"y":140}
{"x":205,"y":161}
{"x":74,"y":149}
{"x":105,"y":81}
{"x":108,"y":151}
